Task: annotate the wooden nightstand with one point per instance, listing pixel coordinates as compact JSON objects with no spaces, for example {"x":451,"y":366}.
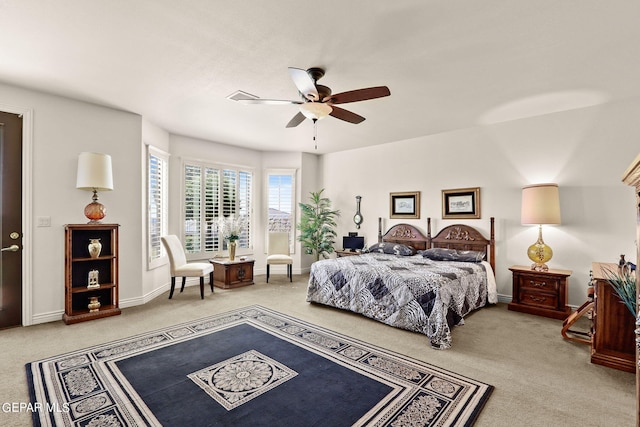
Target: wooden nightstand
{"x":232,"y":274}
{"x":347,"y":253}
{"x":543,"y":293}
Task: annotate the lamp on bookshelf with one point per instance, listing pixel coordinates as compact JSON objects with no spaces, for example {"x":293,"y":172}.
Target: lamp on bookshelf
{"x":94,"y":174}
{"x":540,"y":205}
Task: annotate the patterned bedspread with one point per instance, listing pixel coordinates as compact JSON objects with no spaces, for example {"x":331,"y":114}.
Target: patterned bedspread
{"x":408,"y":292}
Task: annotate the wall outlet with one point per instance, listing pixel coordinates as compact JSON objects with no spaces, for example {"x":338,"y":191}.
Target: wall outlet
{"x":44,"y":221}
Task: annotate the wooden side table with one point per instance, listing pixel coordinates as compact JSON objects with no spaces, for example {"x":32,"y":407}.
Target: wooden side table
{"x":347,"y":253}
{"x":229,"y":274}
{"x":543,"y":293}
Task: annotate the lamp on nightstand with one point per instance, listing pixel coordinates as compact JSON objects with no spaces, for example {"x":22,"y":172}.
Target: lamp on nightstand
{"x":94,"y":173}
{"x":540,"y":205}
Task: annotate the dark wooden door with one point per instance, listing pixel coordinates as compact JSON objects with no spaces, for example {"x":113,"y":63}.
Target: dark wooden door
{"x":10,"y":220}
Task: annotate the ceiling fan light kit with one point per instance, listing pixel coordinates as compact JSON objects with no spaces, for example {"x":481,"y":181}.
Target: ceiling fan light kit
{"x":315,"y":110}
{"x":317,"y":101}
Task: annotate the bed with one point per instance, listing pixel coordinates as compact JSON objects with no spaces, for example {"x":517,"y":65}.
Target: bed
{"x":425,"y":292}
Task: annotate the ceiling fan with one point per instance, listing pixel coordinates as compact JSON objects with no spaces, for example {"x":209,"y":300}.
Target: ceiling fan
{"x":317,"y":101}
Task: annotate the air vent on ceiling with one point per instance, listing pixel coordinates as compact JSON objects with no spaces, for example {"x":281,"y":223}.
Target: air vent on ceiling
{"x":240,"y":96}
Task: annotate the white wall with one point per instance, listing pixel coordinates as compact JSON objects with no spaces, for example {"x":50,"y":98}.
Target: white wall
{"x":585,"y":151}
{"x":62,"y":128}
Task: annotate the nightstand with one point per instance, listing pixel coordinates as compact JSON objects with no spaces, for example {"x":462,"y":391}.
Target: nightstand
{"x":543,"y":293}
{"x":347,"y":253}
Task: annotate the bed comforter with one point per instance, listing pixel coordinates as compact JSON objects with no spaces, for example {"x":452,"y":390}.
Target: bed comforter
{"x":408,"y":292}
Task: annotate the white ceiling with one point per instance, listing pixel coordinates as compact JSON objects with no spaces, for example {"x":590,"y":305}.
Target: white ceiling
{"x":449,"y":64}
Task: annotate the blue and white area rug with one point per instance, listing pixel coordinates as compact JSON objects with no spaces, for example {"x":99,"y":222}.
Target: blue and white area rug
{"x":248,"y":367}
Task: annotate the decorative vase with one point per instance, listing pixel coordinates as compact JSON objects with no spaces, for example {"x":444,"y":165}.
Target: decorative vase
{"x":95,"y":247}
{"x":94,"y":304}
{"x":232,"y":250}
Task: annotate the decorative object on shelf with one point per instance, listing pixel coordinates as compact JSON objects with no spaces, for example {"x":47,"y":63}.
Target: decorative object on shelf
{"x":623,"y":282}
{"x":94,"y":304}
{"x":357,"y":218}
{"x":231,"y":227}
{"x":93,"y":279}
{"x":461,"y":203}
{"x":94,"y":174}
{"x":405,"y":205}
{"x":540,"y":205}
{"x":95,"y":247}
{"x":317,"y":226}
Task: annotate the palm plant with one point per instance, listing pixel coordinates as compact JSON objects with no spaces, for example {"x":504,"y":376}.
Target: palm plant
{"x":317,"y":222}
{"x":623,"y":283}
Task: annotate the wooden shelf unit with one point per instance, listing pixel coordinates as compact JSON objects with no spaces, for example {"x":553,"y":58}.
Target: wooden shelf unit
{"x":77,"y":266}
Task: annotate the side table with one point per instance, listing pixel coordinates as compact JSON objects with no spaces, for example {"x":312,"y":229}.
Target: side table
{"x":543,"y":293}
{"x":229,"y":274}
{"x":347,"y":253}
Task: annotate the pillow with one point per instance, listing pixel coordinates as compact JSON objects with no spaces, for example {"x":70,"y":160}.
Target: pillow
{"x":444,"y":254}
{"x":392,"y":248}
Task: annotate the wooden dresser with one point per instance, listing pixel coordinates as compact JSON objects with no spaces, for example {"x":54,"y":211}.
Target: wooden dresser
{"x":543,"y":293}
{"x":631,"y":177}
{"x":613,"y":336}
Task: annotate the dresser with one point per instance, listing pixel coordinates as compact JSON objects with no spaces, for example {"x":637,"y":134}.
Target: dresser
{"x":631,"y":177}
{"x":543,"y":293}
{"x":613,"y":325}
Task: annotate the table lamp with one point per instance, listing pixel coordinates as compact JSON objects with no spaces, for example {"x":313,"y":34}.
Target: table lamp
{"x":540,"y":205}
{"x":94,"y":173}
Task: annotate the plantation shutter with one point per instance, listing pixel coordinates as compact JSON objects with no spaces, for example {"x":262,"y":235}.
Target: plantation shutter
{"x":211,"y":196}
{"x":192,"y":208}
{"x":244,"y":207}
{"x":157,"y":204}
{"x":211,"y":193}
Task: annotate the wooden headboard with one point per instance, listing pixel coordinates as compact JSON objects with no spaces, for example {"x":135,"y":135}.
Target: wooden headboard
{"x":405,"y":234}
{"x":458,"y":236}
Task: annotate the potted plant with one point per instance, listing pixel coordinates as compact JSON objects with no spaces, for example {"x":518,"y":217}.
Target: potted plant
{"x":623,"y":282}
{"x":317,"y":222}
{"x":230,"y":228}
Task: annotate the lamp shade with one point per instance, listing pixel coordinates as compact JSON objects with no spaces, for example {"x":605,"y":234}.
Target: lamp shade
{"x":315,"y":110}
{"x":540,"y":204}
{"x":94,"y":172}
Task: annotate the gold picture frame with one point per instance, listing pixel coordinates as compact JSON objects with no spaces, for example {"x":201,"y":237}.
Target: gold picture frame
{"x":405,"y":205}
{"x":461,"y":203}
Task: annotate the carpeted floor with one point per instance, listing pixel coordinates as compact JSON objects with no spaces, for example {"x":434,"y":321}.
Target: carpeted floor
{"x":539,"y":378}
{"x":248,"y":367}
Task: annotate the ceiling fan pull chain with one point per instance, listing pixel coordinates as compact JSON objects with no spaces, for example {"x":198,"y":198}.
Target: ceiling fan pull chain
{"x":315,"y":132}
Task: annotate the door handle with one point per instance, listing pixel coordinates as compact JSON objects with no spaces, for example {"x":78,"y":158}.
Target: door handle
{"x":12,"y":248}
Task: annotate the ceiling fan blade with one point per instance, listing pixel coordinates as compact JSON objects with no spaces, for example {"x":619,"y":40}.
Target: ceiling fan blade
{"x":268,"y":101}
{"x":358,"y":95}
{"x":296,"y":120}
{"x":304,"y":83}
{"x":347,"y":116}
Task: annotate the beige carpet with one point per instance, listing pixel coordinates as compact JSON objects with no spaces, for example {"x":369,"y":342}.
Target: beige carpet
{"x":539,"y":378}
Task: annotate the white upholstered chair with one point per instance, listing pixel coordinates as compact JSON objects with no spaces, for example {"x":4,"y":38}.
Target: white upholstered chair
{"x":279,"y":253}
{"x":181,"y":268}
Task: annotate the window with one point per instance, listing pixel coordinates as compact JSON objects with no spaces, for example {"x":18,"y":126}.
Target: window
{"x":211,"y":192}
{"x":281,"y":202}
{"x":157,"y":205}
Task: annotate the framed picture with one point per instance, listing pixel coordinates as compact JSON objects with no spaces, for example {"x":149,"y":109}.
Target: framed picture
{"x":463,"y":203}
{"x":405,"y":205}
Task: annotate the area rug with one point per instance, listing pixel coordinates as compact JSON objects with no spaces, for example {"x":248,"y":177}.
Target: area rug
{"x":248,"y":367}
